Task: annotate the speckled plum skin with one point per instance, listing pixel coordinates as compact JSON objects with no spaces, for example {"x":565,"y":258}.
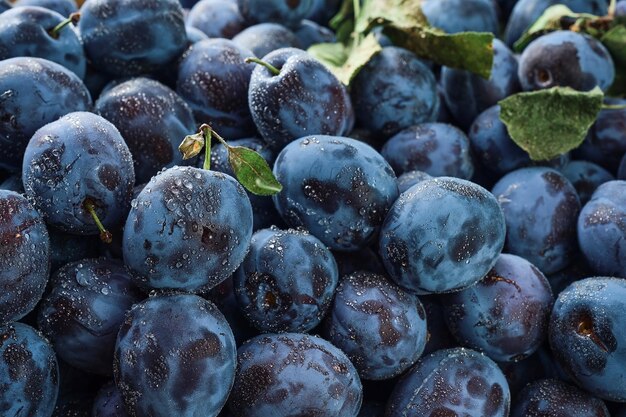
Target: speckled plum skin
{"x":35,"y":92}
{"x":467,"y":95}
{"x":264,"y":38}
{"x":286,"y":12}
{"x":453,"y":16}
{"x":175,"y":356}
{"x":437,"y":149}
{"x":338,"y":188}
{"x":264,"y":212}
{"x":526,"y":12}
{"x":286,"y":282}
{"x":29,"y":372}
{"x":63,"y":7}
{"x":187,"y":229}
{"x":492,"y":146}
{"x":377,"y":324}
{"x":410,"y":178}
{"x":304,"y":99}
{"x":586,"y":335}
{"x":5,"y":5}
{"x":505,"y":315}
{"x":393,"y":91}
{"x":441,"y":235}
{"x":152,"y":119}
{"x":566,"y":59}
{"x":586,"y":177}
{"x":24,"y":32}
{"x":451,"y":382}
{"x":294,"y":374}
{"x":216,"y":18}
{"x":605,"y":143}
{"x":79,"y":157}
{"x":541,"y":208}
{"x":602,"y":229}
{"x":24,"y":256}
{"x":109,"y":402}
{"x":132,"y":37}
{"x":213,"y":79}
{"x":309,"y":33}
{"x":554,"y":398}
{"x":84,"y":311}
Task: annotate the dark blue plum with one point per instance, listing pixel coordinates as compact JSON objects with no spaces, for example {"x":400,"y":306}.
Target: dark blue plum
{"x":285,"y":12}
{"x":393,"y":91}
{"x":24,"y":256}
{"x":29,"y":373}
{"x":519,"y":374}
{"x":554,"y":398}
{"x":264,"y":38}
{"x":338,"y":188}
{"x":451,"y":382}
{"x":5,"y":5}
{"x":79,"y":159}
{"x":223,"y":296}
{"x":294,"y":374}
{"x":455,"y":16}
{"x":35,"y":92}
{"x":541,"y":208}
{"x":566,"y":59}
{"x":526,"y":12}
{"x":152,"y":119}
{"x":467,"y":95}
{"x":264,"y":213}
{"x":586,"y":335}
{"x":505,"y":8}
{"x":109,"y":402}
{"x":586,"y":177}
{"x":372,"y":409}
{"x":442,"y":235}
{"x":605,"y":143}
{"x":26,"y":31}
{"x":439,"y":337}
{"x":304,"y":98}
{"x":84,"y":311}
{"x":323,"y":10}
{"x":437,"y":149}
{"x":410,"y":178}
{"x":492,"y":146}
{"x":620,"y":8}
{"x":175,"y":356}
{"x":602,"y":229}
{"x":505,"y":315}
{"x":310,"y":33}
{"x":195,"y":35}
{"x":63,"y":7}
{"x":132,"y":37}
{"x":213,"y":79}
{"x":577,"y":270}
{"x":77,"y":390}
{"x":377,"y":324}
{"x":286,"y":282}
{"x":187,"y":229}
{"x":216,"y":18}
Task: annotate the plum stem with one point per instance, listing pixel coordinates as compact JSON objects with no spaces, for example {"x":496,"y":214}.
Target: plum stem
{"x":207,"y":132}
{"x":105,"y":235}
{"x":267,"y":65}
{"x":73,"y":18}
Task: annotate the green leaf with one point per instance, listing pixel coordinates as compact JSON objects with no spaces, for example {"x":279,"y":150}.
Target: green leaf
{"x":346,"y":61}
{"x":405,"y":13}
{"x":547,"y":123}
{"x":615,"y":41}
{"x":549,"y":21}
{"x":470,"y":51}
{"x":252,"y":171}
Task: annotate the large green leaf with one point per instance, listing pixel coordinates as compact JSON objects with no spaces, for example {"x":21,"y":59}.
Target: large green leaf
{"x":252,"y":171}
{"x":615,"y":42}
{"x":547,"y":123}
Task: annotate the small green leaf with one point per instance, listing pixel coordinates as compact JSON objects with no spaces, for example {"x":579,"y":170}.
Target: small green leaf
{"x":470,"y":51}
{"x":405,"y":13}
{"x":191,"y":145}
{"x":615,"y":41}
{"x":252,"y":171}
{"x":547,"y":123}
{"x":549,"y":21}
{"x":346,"y":61}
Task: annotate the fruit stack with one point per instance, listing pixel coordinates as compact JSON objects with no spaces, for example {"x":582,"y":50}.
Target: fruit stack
{"x":320,"y":208}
